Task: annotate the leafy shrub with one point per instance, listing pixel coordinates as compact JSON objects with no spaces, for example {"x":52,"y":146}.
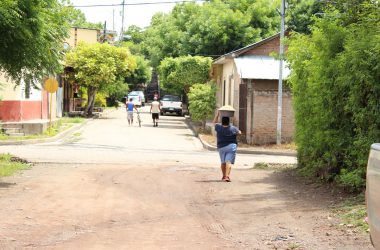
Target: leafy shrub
{"x":336,"y":92}
{"x":202,"y":101}
{"x":352,"y":180}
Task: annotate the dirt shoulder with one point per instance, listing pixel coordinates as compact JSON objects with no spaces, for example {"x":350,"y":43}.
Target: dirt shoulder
{"x":138,"y":206}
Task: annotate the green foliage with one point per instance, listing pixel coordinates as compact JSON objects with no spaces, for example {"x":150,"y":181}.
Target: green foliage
{"x":32,"y":36}
{"x":9,"y":165}
{"x":100,"y":100}
{"x":301,"y":14}
{"x":352,"y":211}
{"x":100,"y":68}
{"x":202,"y":101}
{"x":210,"y":29}
{"x":134,"y":34}
{"x":142,"y":72}
{"x":353,"y":180}
{"x":177,"y":75}
{"x":335,"y":82}
{"x":100,"y":65}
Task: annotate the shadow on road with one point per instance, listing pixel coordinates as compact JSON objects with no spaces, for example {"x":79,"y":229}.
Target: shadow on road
{"x":209,"y":181}
{"x":5,"y":185}
{"x":164,"y":126}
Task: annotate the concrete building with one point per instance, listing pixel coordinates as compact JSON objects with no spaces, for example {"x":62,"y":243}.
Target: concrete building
{"x":247,"y":79}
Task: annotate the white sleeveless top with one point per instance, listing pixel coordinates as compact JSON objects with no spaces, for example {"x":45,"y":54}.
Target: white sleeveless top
{"x":155,"y":107}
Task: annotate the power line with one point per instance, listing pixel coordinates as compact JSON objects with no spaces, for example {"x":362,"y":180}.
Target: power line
{"x":131,"y":4}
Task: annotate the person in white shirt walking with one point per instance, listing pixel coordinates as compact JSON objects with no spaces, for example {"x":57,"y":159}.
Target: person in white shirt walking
{"x":155,"y":110}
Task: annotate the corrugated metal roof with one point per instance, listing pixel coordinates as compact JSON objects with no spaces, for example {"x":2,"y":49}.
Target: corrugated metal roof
{"x":260,"y":67}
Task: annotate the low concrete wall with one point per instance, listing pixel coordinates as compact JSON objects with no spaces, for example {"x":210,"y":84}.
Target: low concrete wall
{"x":29,"y":128}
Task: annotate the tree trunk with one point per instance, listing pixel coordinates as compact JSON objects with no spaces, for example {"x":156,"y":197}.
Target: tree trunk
{"x":91,"y":92}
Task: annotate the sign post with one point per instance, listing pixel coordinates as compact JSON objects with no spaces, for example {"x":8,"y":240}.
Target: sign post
{"x":51,"y":86}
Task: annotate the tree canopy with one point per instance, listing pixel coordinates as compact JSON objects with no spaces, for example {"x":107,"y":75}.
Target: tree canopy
{"x":301,"y":14}
{"x":179,"y":74}
{"x":142,"y":72}
{"x":210,"y":29}
{"x":32,"y":36}
{"x":100,"y":67}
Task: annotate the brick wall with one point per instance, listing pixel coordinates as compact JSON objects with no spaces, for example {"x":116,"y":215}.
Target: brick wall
{"x":265,"y":117}
{"x":267,"y":48}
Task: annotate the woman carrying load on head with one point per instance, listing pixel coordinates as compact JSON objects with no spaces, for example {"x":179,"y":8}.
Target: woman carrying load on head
{"x":226,"y":135}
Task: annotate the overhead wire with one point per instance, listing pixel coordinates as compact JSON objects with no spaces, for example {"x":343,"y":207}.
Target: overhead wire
{"x":131,"y":4}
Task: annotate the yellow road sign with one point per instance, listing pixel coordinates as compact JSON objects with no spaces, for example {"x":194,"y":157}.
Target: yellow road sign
{"x":51,"y":85}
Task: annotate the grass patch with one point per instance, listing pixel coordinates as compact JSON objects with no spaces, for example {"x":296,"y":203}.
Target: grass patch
{"x":72,"y":119}
{"x":77,"y":134}
{"x":352,"y":212}
{"x":293,"y":246}
{"x":273,"y":166}
{"x":9,"y":165}
{"x":261,"y":165}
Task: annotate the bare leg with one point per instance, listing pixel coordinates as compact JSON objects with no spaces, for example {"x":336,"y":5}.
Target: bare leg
{"x":223,"y":167}
{"x":228,"y":170}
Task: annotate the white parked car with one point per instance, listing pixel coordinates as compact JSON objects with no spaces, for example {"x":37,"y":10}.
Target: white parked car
{"x":171,"y":104}
{"x":138,"y":97}
{"x":373,"y":194}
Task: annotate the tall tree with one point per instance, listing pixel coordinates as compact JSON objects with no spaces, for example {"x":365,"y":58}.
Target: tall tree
{"x":179,"y":74}
{"x":301,"y":14}
{"x":211,"y":29}
{"x":142,"y":72}
{"x":263,"y":14}
{"x":32,"y":36}
{"x":99,"y":67}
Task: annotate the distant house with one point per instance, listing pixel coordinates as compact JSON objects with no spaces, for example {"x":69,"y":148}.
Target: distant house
{"x":25,"y":109}
{"x":247,"y":79}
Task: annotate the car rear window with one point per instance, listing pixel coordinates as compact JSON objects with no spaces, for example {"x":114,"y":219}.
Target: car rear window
{"x":171,"y":98}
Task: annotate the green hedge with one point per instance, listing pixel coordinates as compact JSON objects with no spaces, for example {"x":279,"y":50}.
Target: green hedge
{"x":336,"y":87}
{"x":202,"y":101}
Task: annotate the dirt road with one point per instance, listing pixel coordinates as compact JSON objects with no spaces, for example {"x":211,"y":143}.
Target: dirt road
{"x":145,"y":202}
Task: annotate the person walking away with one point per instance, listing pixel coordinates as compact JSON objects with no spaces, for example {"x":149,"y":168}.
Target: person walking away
{"x":155,"y":110}
{"x":226,"y":136}
{"x":130,"y":106}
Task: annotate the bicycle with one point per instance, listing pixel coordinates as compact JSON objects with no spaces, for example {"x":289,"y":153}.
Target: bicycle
{"x":138,"y":118}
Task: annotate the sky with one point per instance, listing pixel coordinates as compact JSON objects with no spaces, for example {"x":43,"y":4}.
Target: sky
{"x":139,"y":15}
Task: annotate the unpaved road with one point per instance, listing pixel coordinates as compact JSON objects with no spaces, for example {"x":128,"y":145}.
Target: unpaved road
{"x":163,"y":192}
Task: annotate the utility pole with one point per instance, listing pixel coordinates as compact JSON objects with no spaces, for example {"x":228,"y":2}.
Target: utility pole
{"x":113,"y":20}
{"x":104,"y":32}
{"x":122,"y":22}
{"x":279,"y":100}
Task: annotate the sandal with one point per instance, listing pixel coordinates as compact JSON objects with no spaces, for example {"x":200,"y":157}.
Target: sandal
{"x":227,"y":179}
